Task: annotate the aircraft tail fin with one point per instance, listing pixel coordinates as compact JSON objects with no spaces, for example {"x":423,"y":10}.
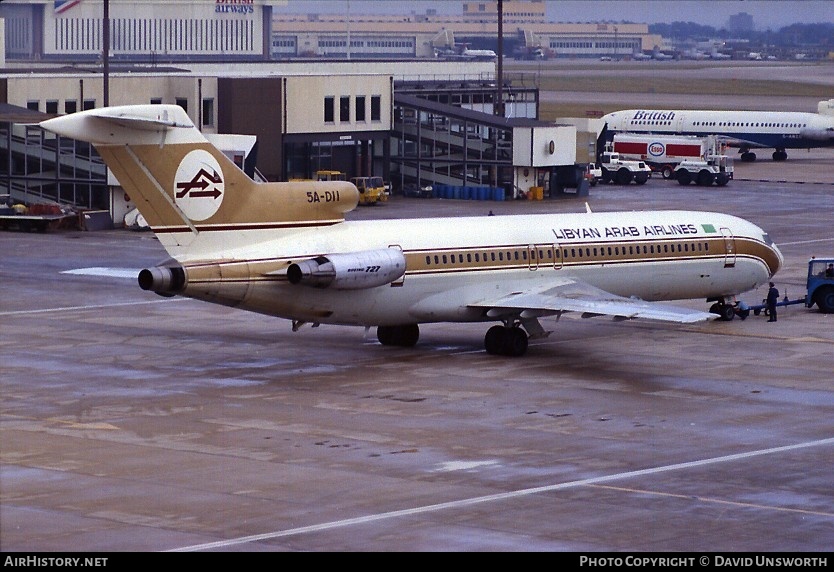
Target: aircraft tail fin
{"x":189,"y":192}
{"x":826,"y":107}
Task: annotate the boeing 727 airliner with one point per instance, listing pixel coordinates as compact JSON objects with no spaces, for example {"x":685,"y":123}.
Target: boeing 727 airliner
{"x":746,"y":130}
{"x":285,"y":249}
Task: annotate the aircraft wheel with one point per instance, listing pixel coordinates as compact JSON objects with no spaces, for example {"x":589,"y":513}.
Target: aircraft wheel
{"x":494,"y":340}
{"x":748,"y":157}
{"x":515,"y":342}
{"x":727,"y":312}
{"x":402,"y":336}
{"x":780,"y":155}
{"x":500,"y":340}
{"x":824,"y":297}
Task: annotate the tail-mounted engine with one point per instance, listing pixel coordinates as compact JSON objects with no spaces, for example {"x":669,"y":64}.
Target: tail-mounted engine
{"x":164,"y":280}
{"x":351,"y":271}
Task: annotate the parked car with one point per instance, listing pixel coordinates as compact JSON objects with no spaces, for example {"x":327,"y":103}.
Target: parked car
{"x":418,"y":191}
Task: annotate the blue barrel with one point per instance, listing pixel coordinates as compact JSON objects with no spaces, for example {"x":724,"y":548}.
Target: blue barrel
{"x":483,"y":193}
{"x":467,"y":193}
{"x":498,"y":193}
{"x":457,"y":192}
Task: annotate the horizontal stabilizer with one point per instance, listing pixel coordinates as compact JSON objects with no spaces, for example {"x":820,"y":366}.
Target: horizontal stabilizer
{"x":128,"y":125}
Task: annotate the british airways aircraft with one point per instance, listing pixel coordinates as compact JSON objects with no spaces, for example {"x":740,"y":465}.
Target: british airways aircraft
{"x":779,"y":130}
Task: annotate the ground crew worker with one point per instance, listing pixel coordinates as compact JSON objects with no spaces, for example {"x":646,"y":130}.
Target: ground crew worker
{"x":772,"y":298}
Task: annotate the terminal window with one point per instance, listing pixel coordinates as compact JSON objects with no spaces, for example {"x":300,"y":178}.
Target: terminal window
{"x":208,"y":112}
{"x":329,"y":110}
{"x":360,"y":108}
{"x":344,"y":108}
{"x":376,"y":108}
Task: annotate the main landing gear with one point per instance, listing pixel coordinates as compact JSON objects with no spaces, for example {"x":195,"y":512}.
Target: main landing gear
{"x":747,"y":156}
{"x":509,"y":340}
{"x":403,"y":336}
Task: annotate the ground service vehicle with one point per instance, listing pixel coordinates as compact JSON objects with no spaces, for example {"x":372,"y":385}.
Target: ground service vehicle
{"x":819,"y":288}
{"x":716,"y":169}
{"x":371,"y":190}
{"x":684,"y":158}
{"x":330,"y":176}
{"x":592,"y":174}
{"x":622,"y":171}
{"x":25,"y":218}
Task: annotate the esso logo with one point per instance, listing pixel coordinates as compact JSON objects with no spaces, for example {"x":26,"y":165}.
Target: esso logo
{"x":656,"y":149}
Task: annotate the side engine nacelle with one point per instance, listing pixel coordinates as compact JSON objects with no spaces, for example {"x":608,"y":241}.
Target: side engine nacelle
{"x":350,"y":271}
{"x":826,"y":134}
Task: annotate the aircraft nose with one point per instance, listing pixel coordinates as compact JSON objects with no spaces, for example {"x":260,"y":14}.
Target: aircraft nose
{"x":779,"y":261}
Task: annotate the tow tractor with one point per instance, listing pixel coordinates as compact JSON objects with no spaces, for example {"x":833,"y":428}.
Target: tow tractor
{"x":819,"y":288}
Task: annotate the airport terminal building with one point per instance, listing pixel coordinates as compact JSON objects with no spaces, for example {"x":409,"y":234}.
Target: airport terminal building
{"x":175,"y":31}
{"x":418,"y":121}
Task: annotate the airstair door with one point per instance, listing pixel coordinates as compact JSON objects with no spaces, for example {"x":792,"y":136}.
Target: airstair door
{"x":544,"y":255}
{"x":729,"y":247}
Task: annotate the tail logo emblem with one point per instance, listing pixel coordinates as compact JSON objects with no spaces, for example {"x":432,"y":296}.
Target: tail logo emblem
{"x":198,"y":186}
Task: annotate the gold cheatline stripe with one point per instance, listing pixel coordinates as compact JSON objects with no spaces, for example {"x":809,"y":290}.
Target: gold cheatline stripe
{"x":416,"y":265}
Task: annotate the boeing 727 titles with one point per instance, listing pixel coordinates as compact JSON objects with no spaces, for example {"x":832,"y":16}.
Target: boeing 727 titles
{"x":285,"y":249}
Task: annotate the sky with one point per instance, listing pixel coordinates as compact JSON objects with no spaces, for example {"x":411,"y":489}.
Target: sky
{"x":766,"y":14}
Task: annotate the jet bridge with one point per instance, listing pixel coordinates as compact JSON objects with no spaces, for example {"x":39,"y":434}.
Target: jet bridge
{"x":435,"y":143}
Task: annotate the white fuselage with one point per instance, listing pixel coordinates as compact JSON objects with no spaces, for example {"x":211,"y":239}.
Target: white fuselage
{"x":766,"y":129}
{"x":454,"y":262}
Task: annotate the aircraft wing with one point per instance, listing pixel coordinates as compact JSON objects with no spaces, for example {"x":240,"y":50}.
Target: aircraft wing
{"x":571,"y":295}
{"x":731,"y":141}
